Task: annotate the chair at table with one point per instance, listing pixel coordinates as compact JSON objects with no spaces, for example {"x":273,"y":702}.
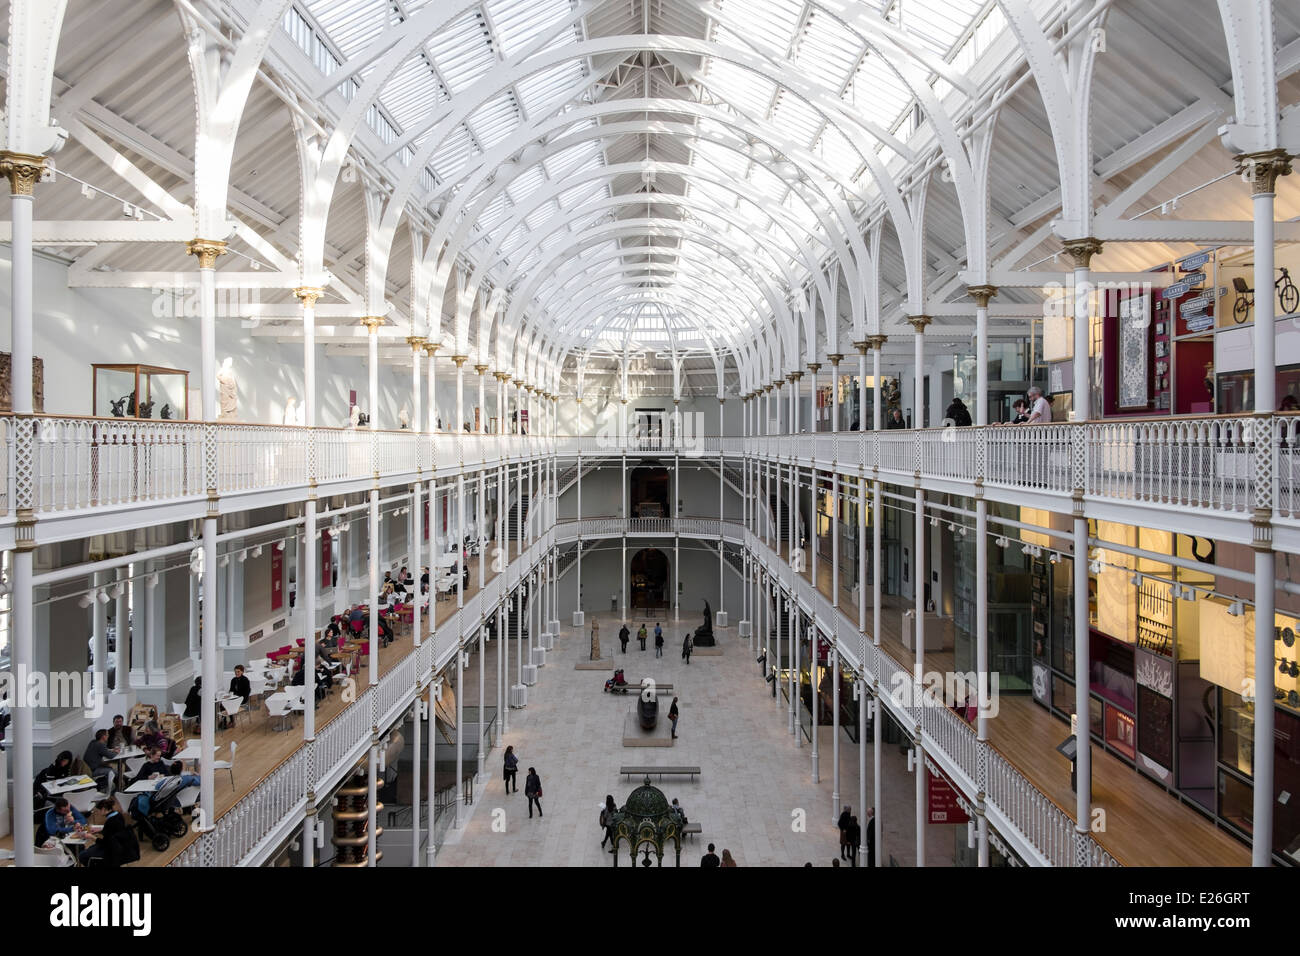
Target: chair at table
{"x":228,"y":764}
{"x":83,"y":801}
{"x":178,"y":710}
{"x":232,"y":707}
{"x":277,"y":706}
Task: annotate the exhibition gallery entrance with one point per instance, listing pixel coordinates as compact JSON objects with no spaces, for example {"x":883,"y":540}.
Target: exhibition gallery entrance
{"x":648,"y":579}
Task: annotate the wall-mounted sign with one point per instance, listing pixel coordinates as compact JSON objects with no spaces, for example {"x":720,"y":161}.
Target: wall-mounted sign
{"x":277,"y":579}
{"x":1194,"y":306}
{"x":1175,"y":290}
{"x":1201,"y":323}
{"x":1193,"y":278}
{"x":1193,"y":262}
{"x":942,"y":801}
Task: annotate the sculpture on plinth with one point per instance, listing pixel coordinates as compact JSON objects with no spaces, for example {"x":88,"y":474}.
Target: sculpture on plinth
{"x":595,"y":640}
{"x":227,"y":393}
{"x":704,"y":633}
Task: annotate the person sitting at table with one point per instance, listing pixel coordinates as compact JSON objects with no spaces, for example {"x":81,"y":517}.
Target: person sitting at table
{"x":424,"y":580}
{"x":119,"y":735}
{"x":333,"y":630}
{"x":117,"y":844}
{"x":153,"y":764}
{"x":62,"y":818}
{"x":97,"y":757}
{"x":357,"y":619}
{"x":325,"y":649}
{"x":464,"y":576}
{"x":399,"y":586}
{"x":152,"y":736}
{"x":386,"y":596}
{"x":239,"y":684}
{"x":324,"y":681}
{"x":62,"y":767}
{"x":387,"y":581}
{"x":194,"y":701}
{"x":385,"y":633}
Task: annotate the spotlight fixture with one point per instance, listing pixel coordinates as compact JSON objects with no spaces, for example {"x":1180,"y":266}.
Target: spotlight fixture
{"x":1025,"y":550}
{"x":1237,"y":608}
{"x":1054,"y":558}
{"x":102,"y":596}
{"x":1136,"y":580}
{"x":117,"y":590}
{"x":279,"y":546}
{"x":241,"y":557}
{"x":1001,"y":541}
{"x":151,"y":580}
{"x":223,"y":561}
{"x":257,"y":551}
{"x":86,"y":600}
{"x":934,"y":521}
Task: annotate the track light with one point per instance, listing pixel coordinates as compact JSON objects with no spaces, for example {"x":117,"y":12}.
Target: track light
{"x":279,"y":546}
{"x":151,"y":580}
{"x":1054,"y":558}
{"x":87,"y":599}
{"x":1237,"y":608}
{"x":1136,"y":580}
{"x":5,"y":589}
{"x":257,"y":551}
{"x":1094,"y":567}
{"x":934,"y":522}
{"x":116,"y":591}
{"x":1025,"y":550}
{"x":241,"y":557}
{"x":1002,"y":541}
{"x":223,"y":561}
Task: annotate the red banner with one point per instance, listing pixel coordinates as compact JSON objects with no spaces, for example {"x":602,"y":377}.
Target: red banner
{"x":326,"y":560}
{"x":277,"y":579}
{"x":942,"y":801}
{"x":426,"y":521}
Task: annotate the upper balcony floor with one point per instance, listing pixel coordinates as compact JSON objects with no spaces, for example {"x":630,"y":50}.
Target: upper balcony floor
{"x":1213,"y":474}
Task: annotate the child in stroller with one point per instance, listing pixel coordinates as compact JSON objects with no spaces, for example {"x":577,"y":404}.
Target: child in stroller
{"x":157,"y":812}
{"x":616,"y":683}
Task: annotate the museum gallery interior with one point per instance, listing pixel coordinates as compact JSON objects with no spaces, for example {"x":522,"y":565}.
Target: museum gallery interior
{"x":854,"y":430}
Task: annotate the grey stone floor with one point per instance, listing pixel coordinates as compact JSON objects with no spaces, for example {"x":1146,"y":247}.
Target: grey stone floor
{"x":755,"y":788}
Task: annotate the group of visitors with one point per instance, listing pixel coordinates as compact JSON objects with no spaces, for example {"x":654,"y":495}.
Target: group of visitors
{"x":532,"y":783}
{"x":1034,"y":409}
{"x":851,"y":836}
{"x":642,"y":635}
{"x":711,"y":858}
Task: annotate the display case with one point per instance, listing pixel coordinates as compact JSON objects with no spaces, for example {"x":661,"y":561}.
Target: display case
{"x":140,"y":391}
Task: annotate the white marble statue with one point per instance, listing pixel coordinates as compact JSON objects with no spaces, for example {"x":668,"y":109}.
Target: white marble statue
{"x":227,"y":395}
{"x":291,"y":411}
{"x":404,"y":416}
{"x":354,"y":417}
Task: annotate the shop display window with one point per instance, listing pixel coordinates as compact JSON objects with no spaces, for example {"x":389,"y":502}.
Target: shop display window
{"x":1236,"y":732}
{"x":1155,"y":727}
{"x":140,"y":391}
{"x":1236,"y":802}
{"x":1120,"y":731}
{"x":1062,"y":696}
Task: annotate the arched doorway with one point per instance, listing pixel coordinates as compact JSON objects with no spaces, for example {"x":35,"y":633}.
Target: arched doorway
{"x":647,"y":493}
{"x":648,"y":579}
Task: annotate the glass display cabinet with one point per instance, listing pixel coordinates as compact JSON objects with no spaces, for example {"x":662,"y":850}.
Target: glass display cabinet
{"x":140,"y":391}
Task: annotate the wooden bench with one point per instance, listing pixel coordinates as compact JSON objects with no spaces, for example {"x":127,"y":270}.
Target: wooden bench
{"x":634,"y":687}
{"x":671,"y":771}
{"x":691,"y":829}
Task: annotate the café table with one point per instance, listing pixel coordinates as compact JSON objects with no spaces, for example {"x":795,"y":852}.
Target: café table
{"x":68,"y":785}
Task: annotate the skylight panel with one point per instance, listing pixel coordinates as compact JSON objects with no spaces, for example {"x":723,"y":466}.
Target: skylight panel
{"x":877,"y":92}
{"x":494,"y":214}
{"x":827,"y":52}
{"x":749,"y":91}
{"x":539,"y":217}
{"x":351,"y":24}
{"x":463,"y":52}
{"x":412,"y":93}
{"x":585,"y":155}
{"x":939,"y":23}
{"x":451,"y":157}
{"x":520,"y":24}
{"x":495,"y":120}
{"x":797,"y":119}
{"x":727,"y":161}
{"x":771,"y":21}
{"x":525,"y":185}
{"x":542,"y":92}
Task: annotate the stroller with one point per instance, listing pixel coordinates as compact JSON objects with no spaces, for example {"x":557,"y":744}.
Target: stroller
{"x":157,"y":813}
{"x":617,"y":683}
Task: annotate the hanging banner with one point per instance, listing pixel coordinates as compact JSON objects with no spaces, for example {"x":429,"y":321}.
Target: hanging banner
{"x":326,"y":560}
{"x":426,"y":519}
{"x":277,"y":579}
{"x":942,"y":801}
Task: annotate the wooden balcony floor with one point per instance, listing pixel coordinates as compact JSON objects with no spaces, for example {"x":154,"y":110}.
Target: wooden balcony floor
{"x":1145,"y":825}
{"x":260,"y":749}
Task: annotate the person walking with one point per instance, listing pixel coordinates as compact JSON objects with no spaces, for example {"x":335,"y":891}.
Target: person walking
{"x":641,"y":636}
{"x":624,"y":635}
{"x":710,"y":858}
{"x":672,"y":715}
{"x":510,"y":769}
{"x":727,"y":858}
{"x":687,"y":646}
{"x":533,"y":791}
{"x":659,"y":641}
{"x":843,"y":824}
{"x":607,"y":813}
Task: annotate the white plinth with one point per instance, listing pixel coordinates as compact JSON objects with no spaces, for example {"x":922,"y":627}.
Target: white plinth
{"x":553,"y":627}
{"x":518,"y":695}
{"x":548,"y":640}
{"x":720,"y":619}
{"x":746,"y":628}
{"x":539,"y":657}
{"x":579,"y":618}
{"x":530,"y":674}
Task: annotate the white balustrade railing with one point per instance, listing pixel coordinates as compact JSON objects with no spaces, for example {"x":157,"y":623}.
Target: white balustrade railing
{"x":88,"y":463}
{"x":257,"y":457}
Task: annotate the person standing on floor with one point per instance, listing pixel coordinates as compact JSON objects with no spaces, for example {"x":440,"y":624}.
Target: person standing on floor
{"x":853,"y":834}
{"x":607,"y":813}
{"x":659,"y":641}
{"x":533,"y":791}
{"x":641,"y":636}
{"x":710,"y":858}
{"x":672,"y":715}
{"x":687,"y":646}
{"x":870,"y":845}
{"x":624,"y":635}
{"x":843,"y":824}
{"x":511,"y":769}
{"x":728,"y":859}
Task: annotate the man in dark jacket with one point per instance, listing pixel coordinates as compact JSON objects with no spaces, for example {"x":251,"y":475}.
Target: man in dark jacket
{"x":97,"y":755}
{"x":710,"y":858}
{"x":871,"y":836}
{"x":117,"y":844}
{"x":624,"y":635}
{"x":958,"y":413}
{"x":896,"y":419}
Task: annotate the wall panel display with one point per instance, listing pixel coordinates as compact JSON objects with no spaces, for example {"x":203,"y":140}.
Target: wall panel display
{"x":1155,"y":732}
{"x":1134,"y":358}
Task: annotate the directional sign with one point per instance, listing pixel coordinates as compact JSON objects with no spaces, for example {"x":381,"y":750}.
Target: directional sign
{"x":1175,"y":290}
{"x":1194,"y":261}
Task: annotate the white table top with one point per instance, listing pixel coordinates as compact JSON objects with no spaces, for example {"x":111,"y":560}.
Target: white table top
{"x":67,"y":785}
{"x":192,"y":750}
{"x":127,"y":753}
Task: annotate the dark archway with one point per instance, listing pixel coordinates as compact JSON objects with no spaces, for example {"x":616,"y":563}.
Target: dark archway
{"x":648,"y":579}
{"x":647,"y":492}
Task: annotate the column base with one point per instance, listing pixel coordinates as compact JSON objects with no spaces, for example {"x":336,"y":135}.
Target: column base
{"x":539,"y":657}
{"x":547,"y":640}
{"x":745,"y":628}
{"x":720,"y":619}
{"x":530,"y":674}
{"x":554,"y":627}
{"x":579,"y":619}
{"x":518,"y":695}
